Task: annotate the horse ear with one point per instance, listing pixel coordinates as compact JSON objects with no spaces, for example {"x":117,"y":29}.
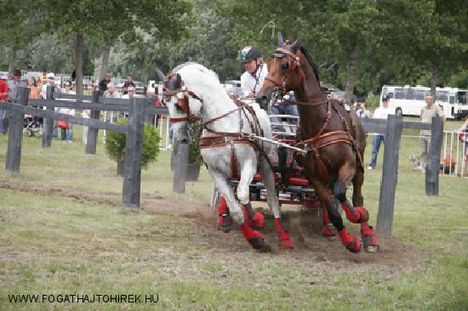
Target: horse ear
{"x":280,"y":39}
{"x":161,"y":75}
{"x":297,"y":43}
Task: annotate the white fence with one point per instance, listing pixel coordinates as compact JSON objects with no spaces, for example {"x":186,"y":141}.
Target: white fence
{"x":454,"y":154}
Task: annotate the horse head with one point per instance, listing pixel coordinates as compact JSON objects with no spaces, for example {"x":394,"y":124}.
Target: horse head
{"x":175,"y":98}
{"x":287,"y":70}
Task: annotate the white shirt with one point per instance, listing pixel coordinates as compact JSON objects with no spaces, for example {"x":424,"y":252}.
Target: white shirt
{"x":250,"y":84}
{"x":382,"y":113}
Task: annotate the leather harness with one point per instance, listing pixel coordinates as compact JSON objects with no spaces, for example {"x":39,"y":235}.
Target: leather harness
{"x":221,"y":139}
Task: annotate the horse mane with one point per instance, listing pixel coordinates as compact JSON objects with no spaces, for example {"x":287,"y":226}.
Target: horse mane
{"x":313,"y":65}
{"x":198,"y":67}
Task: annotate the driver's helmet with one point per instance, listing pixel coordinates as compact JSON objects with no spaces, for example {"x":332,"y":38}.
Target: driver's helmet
{"x":248,"y":53}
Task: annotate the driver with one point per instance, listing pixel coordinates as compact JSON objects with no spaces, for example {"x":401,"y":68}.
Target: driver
{"x":255,"y":71}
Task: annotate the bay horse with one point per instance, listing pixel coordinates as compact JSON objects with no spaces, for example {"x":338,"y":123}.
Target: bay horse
{"x":226,"y":142}
{"x":332,"y":135}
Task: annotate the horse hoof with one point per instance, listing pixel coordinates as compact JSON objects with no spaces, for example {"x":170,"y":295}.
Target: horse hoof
{"x":286,"y":244}
{"x":355,"y":245}
{"x":225,"y":223}
{"x":370,"y":243}
{"x":260,"y":245}
{"x":329,"y":231}
{"x":371,"y":248}
{"x":258,"y":221}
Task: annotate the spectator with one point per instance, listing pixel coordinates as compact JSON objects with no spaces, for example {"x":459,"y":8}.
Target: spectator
{"x":130,"y":93}
{"x":103,"y":84}
{"x":129,"y":82}
{"x":85,"y":114}
{"x":111,"y":92}
{"x":427,"y":113}
{"x":3,"y":100}
{"x":49,"y":81}
{"x":463,"y":135}
{"x":380,"y":113}
{"x":12,"y":94}
{"x":34,"y":90}
{"x":109,"y":115}
{"x":13,"y":86}
{"x":42,"y":78}
{"x":361,"y":111}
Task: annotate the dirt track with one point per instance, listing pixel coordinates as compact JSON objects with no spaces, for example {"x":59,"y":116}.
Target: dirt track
{"x":304,"y":228}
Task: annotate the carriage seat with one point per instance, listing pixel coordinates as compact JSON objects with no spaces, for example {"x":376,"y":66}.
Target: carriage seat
{"x":258,"y":178}
{"x":298,"y":181}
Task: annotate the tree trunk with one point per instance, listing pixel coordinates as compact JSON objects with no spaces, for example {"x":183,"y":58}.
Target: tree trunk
{"x":105,"y":54}
{"x":434,"y":77}
{"x":11,"y":62}
{"x":79,"y":46}
{"x":351,"y":74}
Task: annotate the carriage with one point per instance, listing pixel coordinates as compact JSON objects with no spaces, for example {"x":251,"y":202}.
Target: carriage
{"x":236,"y":141}
{"x":292,"y":186}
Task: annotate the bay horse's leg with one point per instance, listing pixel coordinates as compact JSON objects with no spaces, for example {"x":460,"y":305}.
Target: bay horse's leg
{"x":253,"y":237}
{"x":352,"y":243}
{"x":328,"y":230}
{"x":273,"y":203}
{"x":356,"y":214}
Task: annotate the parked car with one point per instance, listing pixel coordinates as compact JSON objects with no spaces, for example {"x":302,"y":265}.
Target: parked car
{"x":140,"y":87}
{"x":233,"y":87}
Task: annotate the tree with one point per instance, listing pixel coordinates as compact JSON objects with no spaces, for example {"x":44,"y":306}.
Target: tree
{"x":20,"y":23}
{"x":97,"y":20}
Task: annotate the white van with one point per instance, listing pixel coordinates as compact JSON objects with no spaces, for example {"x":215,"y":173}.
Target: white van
{"x":410,"y":100}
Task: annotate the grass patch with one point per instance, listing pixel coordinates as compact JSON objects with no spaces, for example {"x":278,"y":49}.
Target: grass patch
{"x":59,"y":236}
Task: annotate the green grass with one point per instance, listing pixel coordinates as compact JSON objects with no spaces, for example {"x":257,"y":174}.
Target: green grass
{"x":62,"y":231}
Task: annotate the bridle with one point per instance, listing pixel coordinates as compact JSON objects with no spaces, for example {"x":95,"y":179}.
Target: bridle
{"x":293,"y":64}
{"x":183,"y":101}
{"x":280,"y":86}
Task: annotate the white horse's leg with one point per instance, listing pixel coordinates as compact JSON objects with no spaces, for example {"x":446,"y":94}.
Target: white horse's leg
{"x":248,"y":169}
{"x":253,"y":237}
{"x":273,"y":203}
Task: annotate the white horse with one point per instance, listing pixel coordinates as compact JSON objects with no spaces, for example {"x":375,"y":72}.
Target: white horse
{"x":193,"y":90}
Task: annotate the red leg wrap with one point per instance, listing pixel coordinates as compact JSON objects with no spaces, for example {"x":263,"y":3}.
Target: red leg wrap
{"x":352,"y":243}
{"x":224,"y":220}
{"x":222,"y":206}
{"x":357,"y":215}
{"x":325,"y":217}
{"x":222,"y":210}
{"x":259,"y":220}
{"x":329,"y":230}
{"x":254,"y":238}
{"x":368,"y":238}
{"x":285,"y":242}
{"x":249,"y":234}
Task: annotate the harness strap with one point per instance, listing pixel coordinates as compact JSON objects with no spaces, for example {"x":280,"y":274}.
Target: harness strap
{"x":234,"y":171}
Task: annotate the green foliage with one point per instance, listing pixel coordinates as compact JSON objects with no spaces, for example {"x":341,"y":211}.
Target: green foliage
{"x":194,"y":156}
{"x":115,"y":144}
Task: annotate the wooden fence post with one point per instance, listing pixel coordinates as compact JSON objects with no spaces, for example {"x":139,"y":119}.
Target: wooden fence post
{"x":48,"y":126}
{"x":133,"y":149}
{"x":433,"y":163}
{"x":15,"y":134}
{"x":93,"y":132}
{"x":389,"y":174}
{"x":180,"y":165}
